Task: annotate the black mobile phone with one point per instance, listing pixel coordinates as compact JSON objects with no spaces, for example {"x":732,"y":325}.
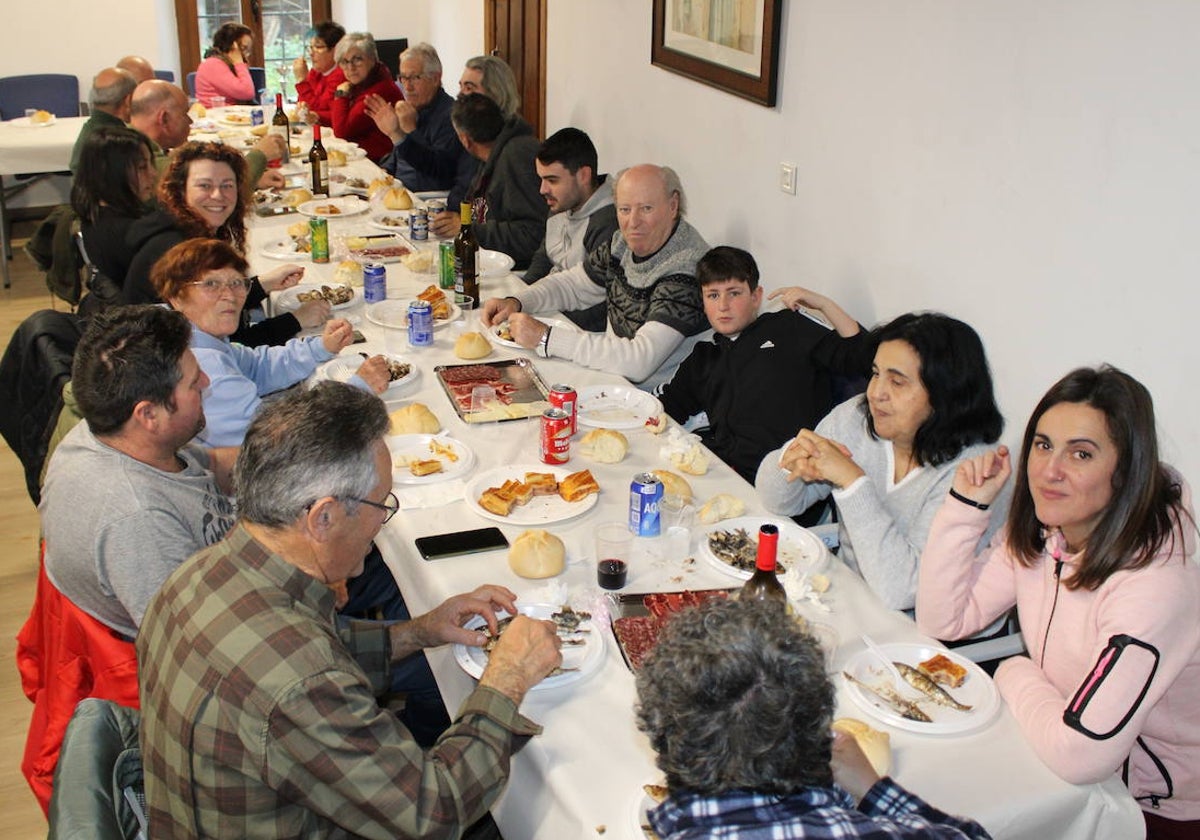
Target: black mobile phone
{"x":437,"y":546}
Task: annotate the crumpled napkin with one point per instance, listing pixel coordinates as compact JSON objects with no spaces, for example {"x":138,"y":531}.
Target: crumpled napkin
{"x":684,"y":451}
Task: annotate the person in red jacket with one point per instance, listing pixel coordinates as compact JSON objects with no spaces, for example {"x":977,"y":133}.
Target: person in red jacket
{"x":315,"y":85}
{"x":365,"y":75}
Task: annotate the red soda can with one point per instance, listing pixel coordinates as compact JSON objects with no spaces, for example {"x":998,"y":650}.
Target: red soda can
{"x":564,"y":397}
{"x":556,"y":436}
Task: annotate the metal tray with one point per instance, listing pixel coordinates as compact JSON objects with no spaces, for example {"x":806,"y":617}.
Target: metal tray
{"x":633,"y":605}
{"x":529,"y":399}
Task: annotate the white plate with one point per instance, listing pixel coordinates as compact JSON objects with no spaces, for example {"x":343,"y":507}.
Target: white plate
{"x":238,"y":120}
{"x":977,"y":691}
{"x":393,"y":314}
{"x":540,"y":510}
{"x":351,"y":156}
{"x":493,"y":263}
{"x":587,"y":658}
{"x":616,"y":406}
{"x":284,"y":248}
{"x":348,"y":205}
{"x":377,"y":221}
{"x":416,"y":447}
{"x":799,"y":548}
{"x":642,"y":803}
{"x":493,"y":333}
{"x":342,"y":368}
{"x":289,"y":299}
{"x":26,"y":122}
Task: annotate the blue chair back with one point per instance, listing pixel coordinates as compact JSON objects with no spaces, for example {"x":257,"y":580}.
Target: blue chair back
{"x":191,"y":84}
{"x":54,"y":92}
{"x":165,"y":75}
{"x":259,"y":76}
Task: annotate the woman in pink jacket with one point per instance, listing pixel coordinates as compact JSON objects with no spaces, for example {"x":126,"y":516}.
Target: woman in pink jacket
{"x":225,"y":70}
{"x":1097,"y":557}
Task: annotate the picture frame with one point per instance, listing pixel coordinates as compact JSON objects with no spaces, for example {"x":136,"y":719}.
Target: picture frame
{"x":732,"y":45}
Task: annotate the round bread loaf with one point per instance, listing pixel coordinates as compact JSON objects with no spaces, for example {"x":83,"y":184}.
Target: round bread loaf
{"x":537,"y":554}
{"x":876,"y":745}
{"x":414,"y":419}
{"x":397,"y":198}
{"x":721,"y":506}
{"x":297,"y":197}
{"x":335,"y":157}
{"x":674,"y":484}
{"x":604,"y":446}
{"x":472,"y":345}
{"x":349,"y":272}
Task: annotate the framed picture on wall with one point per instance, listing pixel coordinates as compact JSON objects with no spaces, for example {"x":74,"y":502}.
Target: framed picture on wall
{"x":728,"y":44}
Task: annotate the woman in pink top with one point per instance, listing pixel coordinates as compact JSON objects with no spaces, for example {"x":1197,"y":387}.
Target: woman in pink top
{"x":1097,"y":557}
{"x":225,"y":70}
{"x":315,"y":85}
{"x":365,"y":75}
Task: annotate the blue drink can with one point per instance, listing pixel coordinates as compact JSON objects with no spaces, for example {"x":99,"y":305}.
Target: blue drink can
{"x":420,"y":323}
{"x":645,"y":493}
{"x":256,"y":116}
{"x":374,"y":282}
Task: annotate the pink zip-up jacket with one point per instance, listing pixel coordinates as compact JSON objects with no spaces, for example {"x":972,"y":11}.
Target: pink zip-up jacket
{"x":1112,"y":680}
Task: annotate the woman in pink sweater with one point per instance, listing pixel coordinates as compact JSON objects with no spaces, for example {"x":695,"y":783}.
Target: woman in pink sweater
{"x":225,"y":70}
{"x":1097,"y":557}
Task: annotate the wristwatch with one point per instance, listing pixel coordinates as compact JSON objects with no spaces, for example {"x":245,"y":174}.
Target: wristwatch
{"x":543,"y":348}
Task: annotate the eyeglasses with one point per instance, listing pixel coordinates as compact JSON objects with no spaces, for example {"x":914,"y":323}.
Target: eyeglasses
{"x":415,"y":77}
{"x":213,"y":286}
{"x":316,"y":48}
{"x":391,"y":504}
{"x":353,"y":61}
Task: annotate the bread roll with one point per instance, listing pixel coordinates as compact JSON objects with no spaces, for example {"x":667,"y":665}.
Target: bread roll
{"x":537,"y":554}
{"x":260,"y":130}
{"x":721,"y":506}
{"x":692,"y":462}
{"x":674,"y":485}
{"x":604,"y":446}
{"x":397,"y":198}
{"x":875,"y":744}
{"x":472,"y":345}
{"x":383,"y":182}
{"x":349,"y":272}
{"x":40,"y":117}
{"x":197,"y":111}
{"x":297,"y":197}
{"x":335,"y":157}
{"x":414,"y":419}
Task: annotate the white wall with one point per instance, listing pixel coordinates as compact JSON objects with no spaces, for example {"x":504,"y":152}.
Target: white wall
{"x":1030,"y":166}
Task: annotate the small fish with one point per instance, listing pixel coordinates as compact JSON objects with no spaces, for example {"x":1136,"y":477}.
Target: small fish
{"x":929,"y":688}
{"x":906,"y":708}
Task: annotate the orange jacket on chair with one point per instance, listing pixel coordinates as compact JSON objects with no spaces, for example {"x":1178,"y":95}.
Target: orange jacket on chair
{"x":65,"y":655}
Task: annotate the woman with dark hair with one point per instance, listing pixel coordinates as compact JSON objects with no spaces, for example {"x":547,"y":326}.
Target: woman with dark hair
{"x":315,"y":86}
{"x":1098,"y":557}
{"x":203,"y":194}
{"x":888,"y":457}
{"x":365,"y":75}
{"x":737,"y":706}
{"x":205,"y":279}
{"x":113,"y":183}
{"x":225,"y":70}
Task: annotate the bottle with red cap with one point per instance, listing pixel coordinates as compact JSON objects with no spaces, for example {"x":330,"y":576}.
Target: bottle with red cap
{"x":764,"y":585}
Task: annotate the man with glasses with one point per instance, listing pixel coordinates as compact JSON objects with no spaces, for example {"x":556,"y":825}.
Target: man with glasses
{"x":259,"y":717}
{"x":127,"y":497}
{"x":426,"y":153}
{"x":315,"y":86}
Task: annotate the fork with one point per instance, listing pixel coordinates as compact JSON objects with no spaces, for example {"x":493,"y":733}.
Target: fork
{"x":885,"y":659}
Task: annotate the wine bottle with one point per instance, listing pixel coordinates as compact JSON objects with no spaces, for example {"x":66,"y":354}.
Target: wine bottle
{"x":466,"y":252}
{"x":318,"y":162}
{"x":281,"y":126}
{"x":763,"y":585}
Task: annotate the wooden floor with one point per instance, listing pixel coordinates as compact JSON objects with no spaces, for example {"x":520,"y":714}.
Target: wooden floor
{"x":22,"y":817}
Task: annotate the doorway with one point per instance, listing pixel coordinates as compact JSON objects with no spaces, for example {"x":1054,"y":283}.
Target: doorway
{"x":515,"y":30}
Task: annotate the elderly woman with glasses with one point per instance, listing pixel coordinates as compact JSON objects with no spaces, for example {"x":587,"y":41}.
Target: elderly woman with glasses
{"x":365,"y":75}
{"x":201,"y":195}
{"x":205,"y":279}
{"x":315,"y":85}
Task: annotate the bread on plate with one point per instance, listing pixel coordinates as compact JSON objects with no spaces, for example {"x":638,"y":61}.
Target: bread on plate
{"x":537,"y":554}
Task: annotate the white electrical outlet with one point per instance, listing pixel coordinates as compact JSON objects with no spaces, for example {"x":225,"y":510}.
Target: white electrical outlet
{"x":787,"y":178}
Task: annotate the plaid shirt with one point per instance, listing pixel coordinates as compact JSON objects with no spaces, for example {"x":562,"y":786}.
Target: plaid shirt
{"x":887,"y":811}
{"x":257,"y":720}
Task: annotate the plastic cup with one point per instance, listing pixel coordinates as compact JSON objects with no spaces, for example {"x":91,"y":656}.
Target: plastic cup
{"x":678,"y":518}
{"x":29,"y":112}
{"x":217,"y":101}
{"x":613,"y":544}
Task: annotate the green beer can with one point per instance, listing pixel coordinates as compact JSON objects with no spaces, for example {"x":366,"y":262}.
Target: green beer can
{"x":318,"y":235}
{"x":446,"y":264}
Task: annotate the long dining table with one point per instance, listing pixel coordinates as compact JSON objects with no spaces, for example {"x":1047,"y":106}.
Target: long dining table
{"x":583,"y":776}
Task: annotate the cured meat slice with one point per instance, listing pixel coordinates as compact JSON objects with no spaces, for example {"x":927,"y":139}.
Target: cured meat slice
{"x":636,"y":634}
{"x":480,"y":374}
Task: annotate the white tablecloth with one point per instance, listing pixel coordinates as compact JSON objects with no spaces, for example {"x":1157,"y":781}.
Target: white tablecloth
{"x":585,"y":772}
{"x":26,"y":149}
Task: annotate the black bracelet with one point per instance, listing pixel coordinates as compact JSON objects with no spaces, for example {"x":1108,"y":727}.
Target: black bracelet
{"x":967,"y":501}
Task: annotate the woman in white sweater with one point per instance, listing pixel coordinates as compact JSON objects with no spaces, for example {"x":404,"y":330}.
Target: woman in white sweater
{"x":888,"y":457}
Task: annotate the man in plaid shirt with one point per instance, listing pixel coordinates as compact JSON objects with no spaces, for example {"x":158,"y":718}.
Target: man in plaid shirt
{"x":258,"y":718}
{"x":735,"y":700}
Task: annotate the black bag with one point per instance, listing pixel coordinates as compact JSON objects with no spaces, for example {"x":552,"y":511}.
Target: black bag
{"x":52,"y":249}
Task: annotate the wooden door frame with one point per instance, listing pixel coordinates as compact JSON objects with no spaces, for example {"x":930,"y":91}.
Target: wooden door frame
{"x":535,"y":114}
{"x":187,"y":29}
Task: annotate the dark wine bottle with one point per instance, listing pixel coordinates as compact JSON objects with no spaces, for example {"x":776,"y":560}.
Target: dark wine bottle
{"x":763,"y":584}
{"x":281,"y":126}
{"x":318,"y":162}
{"x":466,"y":252}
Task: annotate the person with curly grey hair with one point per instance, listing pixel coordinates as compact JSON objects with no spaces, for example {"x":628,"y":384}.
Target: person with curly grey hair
{"x":259,"y":714}
{"x":736,"y":703}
